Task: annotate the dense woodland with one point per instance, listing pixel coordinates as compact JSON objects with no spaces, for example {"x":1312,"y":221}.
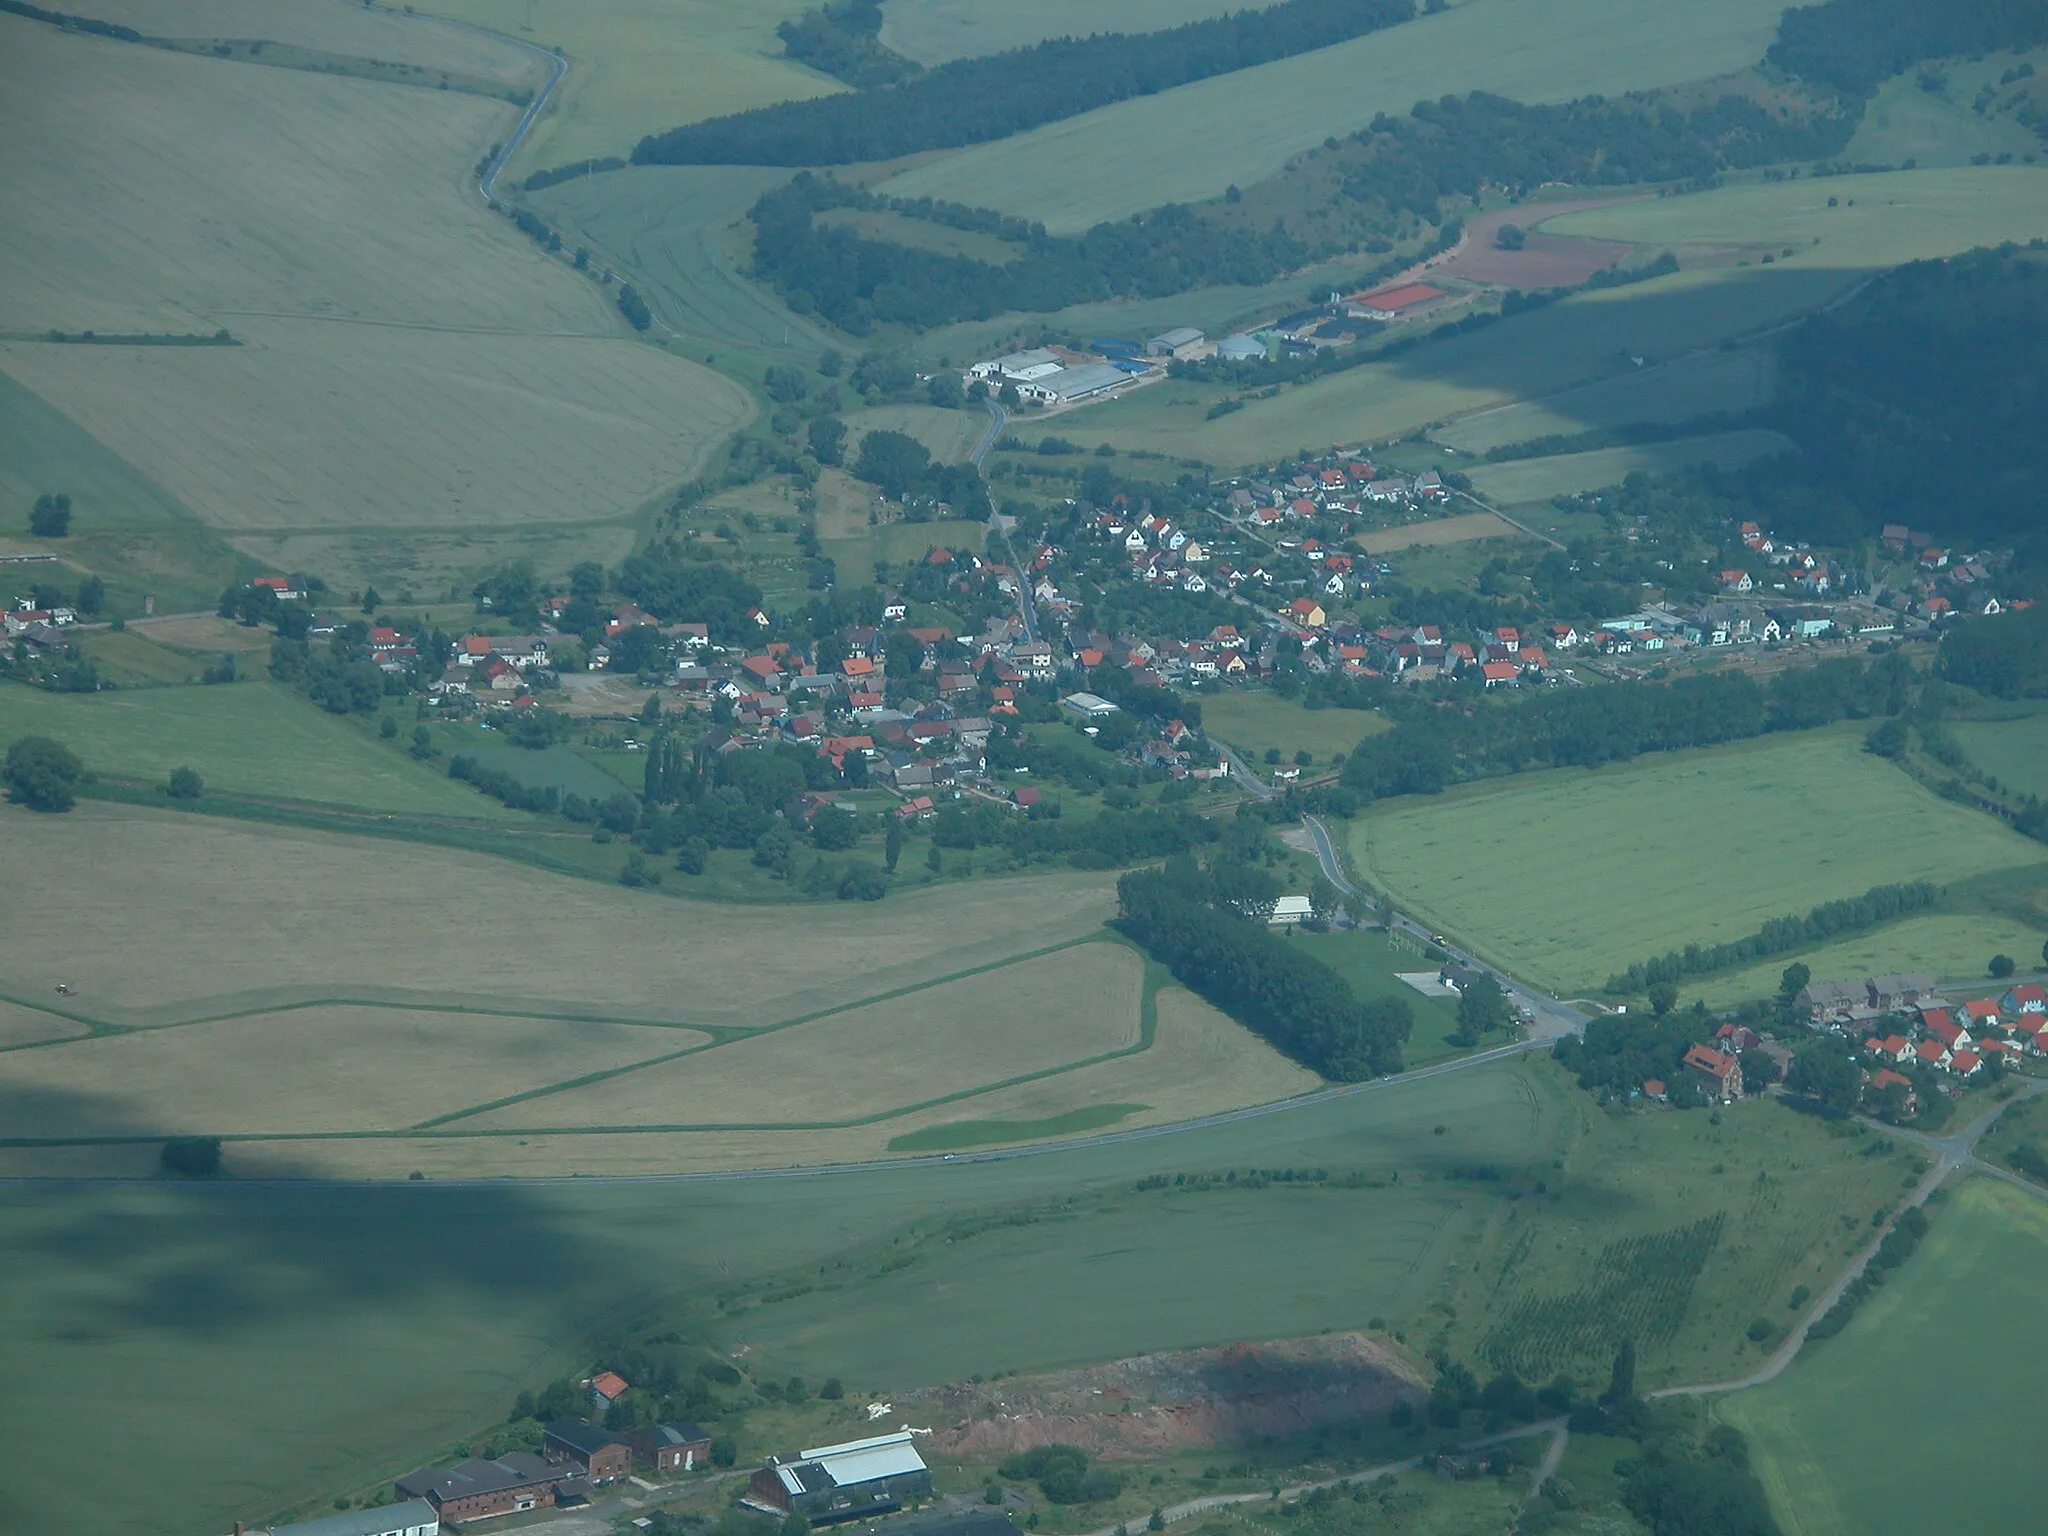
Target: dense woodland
{"x":1856,"y":45}
{"x":1207,"y":925}
{"x":970,"y":101}
{"x":1436,"y":746}
{"x":2004,"y":655}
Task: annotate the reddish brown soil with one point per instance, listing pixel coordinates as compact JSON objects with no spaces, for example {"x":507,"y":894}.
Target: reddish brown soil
{"x":1545,"y":261}
{"x":1179,"y":1400}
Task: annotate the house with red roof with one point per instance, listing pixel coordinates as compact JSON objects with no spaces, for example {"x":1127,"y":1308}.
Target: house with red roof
{"x":1498,"y":673}
{"x":1965,"y":1063}
{"x":1717,"y":1074}
{"x":2031,"y":998}
{"x":1932,"y":1053}
{"x":1886,"y":1078}
{"x":606,"y":1388}
{"x":1980,"y":1013}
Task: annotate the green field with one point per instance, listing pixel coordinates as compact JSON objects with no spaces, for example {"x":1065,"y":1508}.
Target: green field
{"x":1369,"y":964}
{"x":1952,"y":946}
{"x":1253,"y":720}
{"x":954,"y":1134}
{"x":1905,"y":121}
{"x":231,"y":1298}
{"x":1686,"y":389}
{"x":680,"y":232}
{"x":1639,"y":858}
{"x":1523,"y":480}
{"x":639,"y":66}
{"x":1967,"y":1392}
{"x":1190,"y":143}
{"x":2013,"y":751}
{"x":246,"y":739}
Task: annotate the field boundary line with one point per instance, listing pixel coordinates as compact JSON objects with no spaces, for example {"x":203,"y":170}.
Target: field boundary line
{"x":771,"y":1029}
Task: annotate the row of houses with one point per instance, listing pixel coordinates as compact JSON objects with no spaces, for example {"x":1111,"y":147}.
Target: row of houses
{"x":576,"y":1456}
{"x":1964,"y":1038}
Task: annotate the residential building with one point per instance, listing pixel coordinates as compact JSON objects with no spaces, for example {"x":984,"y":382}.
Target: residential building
{"x":1718,"y":1074}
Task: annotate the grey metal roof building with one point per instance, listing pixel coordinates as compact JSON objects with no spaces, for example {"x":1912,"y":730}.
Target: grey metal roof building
{"x":415,"y":1517}
{"x":1079,"y":383}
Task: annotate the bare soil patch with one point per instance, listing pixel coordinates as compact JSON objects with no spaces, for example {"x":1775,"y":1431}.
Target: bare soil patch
{"x":1176,"y":1400}
{"x":1544,"y":261}
{"x":1443,"y":530}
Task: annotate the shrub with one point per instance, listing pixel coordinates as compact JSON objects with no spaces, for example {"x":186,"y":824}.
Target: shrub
{"x":185,"y":784}
{"x":42,"y":774}
{"x":191,"y":1157}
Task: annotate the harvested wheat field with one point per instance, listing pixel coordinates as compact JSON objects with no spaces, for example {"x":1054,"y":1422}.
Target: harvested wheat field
{"x":1462,"y":529}
{"x":219,"y":917}
{"x":1036,"y":1016}
{"x":27,"y":1026}
{"x":311,"y":1069}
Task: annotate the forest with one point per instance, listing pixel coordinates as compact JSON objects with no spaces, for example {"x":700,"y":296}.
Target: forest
{"x":1855,"y":45}
{"x":1207,"y":925}
{"x":971,"y":101}
{"x":2004,"y":655}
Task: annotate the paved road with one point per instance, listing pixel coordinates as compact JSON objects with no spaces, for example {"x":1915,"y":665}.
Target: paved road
{"x":998,"y":418}
{"x":487,"y":182}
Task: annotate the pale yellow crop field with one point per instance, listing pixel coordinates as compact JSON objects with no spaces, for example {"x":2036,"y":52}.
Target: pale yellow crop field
{"x":25,"y":1026}
{"x":317,"y":426}
{"x":1190,"y":143}
{"x":310,"y":1069}
{"x":149,"y":190}
{"x":385,"y":35}
{"x":639,"y":66}
{"x":410,"y":364}
{"x":217,"y":916}
{"x":1034,"y":1016}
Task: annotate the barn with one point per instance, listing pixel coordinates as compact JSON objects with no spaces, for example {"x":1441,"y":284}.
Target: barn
{"x":829,"y":1484}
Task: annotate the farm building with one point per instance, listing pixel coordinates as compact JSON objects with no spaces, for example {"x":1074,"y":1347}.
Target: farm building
{"x":1241,"y":349}
{"x":601,"y":1454}
{"x":1289,"y":910}
{"x":1182,"y":342}
{"x":477,"y":1489}
{"x":1063,"y":386}
{"x":1018,"y":367}
{"x":1088,"y":706}
{"x":830,"y":1484}
{"x":670,"y":1447}
{"x":415,"y":1517}
{"x":1382,"y":303}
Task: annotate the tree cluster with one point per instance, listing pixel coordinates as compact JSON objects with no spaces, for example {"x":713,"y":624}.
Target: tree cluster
{"x":42,"y":774}
{"x":2003,"y":654}
{"x":1065,"y":1474}
{"x":1184,"y":915}
{"x":971,"y":101}
{"x":901,"y":468}
{"x":662,"y":578}
{"x":1877,"y":906}
{"x":1894,"y":1250}
{"x":843,"y":40}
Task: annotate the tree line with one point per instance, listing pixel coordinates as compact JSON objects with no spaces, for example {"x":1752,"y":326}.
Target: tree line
{"x":971,"y":101}
{"x":1434,"y":748}
{"x":1877,"y":906}
{"x":1185,"y":917}
{"x":2004,"y":654}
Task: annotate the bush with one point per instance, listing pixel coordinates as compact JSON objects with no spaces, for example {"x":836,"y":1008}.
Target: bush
{"x":1063,"y":1474}
{"x":864,"y":882}
{"x":185,"y":784}
{"x":42,"y":774}
{"x":50,"y":518}
{"x":191,"y":1157}
{"x":2001,"y":966}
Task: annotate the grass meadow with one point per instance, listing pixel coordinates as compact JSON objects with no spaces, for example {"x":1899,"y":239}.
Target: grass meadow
{"x":1953,"y":946}
{"x":1255,"y":721}
{"x":1905,"y":121}
{"x":2013,"y":751}
{"x":1190,"y":143}
{"x":1568,"y":876}
{"x":245,"y":738}
{"x":1965,"y":1391}
{"x":1523,"y":480}
{"x":1461,"y":528}
{"x":1369,"y":962}
{"x":1697,"y":385}
{"x":639,"y":66}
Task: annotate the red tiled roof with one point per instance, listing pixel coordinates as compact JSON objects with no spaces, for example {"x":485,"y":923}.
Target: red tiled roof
{"x":1403,"y":296}
{"x":608,"y":1383}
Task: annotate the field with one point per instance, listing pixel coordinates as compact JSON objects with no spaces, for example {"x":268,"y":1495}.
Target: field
{"x":1252,"y":720}
{"x":680,"y":231}
{"x":419,"y":1340}
{"x":2013,"y":751}
{"x":1461,"y":529}
{"x":1639,"y":858}
{"x":1952,"y":946}
{"x":950,"y":435}
{"x":1190,"y":143}
{"x":937,"y":31}
{"x":1971,"y":1388}
{"x":639,"y":66}
{"x":1904,"y":121}
{"x":1701,"y":384}
{"x":1370,"y":964}
{"x":1523,"y":480}
{"x":415,"y":379}
{"x":1541,"y":261}
{"x":244,"y":738}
